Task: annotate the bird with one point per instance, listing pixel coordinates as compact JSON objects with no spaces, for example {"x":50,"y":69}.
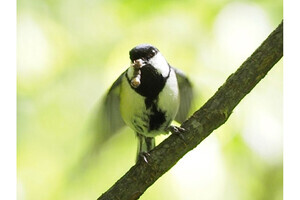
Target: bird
{"x":146,"y":97}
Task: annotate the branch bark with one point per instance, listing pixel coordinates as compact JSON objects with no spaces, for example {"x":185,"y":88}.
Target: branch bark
{"x":213,"y":114}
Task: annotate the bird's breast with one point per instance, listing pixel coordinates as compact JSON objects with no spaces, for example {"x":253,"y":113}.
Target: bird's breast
{"x":150,"y":108}
{"x":152,"y":82}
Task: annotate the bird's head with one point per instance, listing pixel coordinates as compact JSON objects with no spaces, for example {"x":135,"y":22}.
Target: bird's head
{"x":145,"y":52}
{"x":146,"y":55}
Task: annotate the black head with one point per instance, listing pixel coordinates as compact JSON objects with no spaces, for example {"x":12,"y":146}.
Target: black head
{"x":143,"y":51}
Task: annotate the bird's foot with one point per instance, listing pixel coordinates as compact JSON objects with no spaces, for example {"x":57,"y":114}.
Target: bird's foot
{"x":177,"y":131}
{"x":144,"y":156}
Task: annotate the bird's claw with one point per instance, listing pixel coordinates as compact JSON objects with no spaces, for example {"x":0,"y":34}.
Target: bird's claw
{"x":144,"y":156}
{"x":177,"y":131}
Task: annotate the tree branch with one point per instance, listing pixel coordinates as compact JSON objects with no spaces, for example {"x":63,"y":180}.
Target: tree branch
{"x":213,"y":114}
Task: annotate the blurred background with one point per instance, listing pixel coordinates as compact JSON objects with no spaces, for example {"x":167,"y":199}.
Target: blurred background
{"x":70,"y":52}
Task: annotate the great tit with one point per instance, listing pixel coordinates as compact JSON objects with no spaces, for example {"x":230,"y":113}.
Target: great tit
{"x":147,"y":97}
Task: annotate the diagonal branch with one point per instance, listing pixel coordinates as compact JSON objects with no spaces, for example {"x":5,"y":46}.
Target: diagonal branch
{"x":213,"y":114}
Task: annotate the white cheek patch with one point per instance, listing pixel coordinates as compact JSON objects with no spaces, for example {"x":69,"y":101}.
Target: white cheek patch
{"x":160,"y":63}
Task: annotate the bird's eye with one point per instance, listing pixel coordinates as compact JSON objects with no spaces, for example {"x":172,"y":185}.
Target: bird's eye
{"x":152,"y":53}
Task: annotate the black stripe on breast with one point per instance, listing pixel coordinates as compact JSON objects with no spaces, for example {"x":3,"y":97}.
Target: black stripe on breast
{"x":156,"y":118}
{"x":152,"y":83}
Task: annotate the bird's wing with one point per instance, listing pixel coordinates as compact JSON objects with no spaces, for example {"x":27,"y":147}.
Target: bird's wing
{"x":186,"y":95}
{"x":105,"y":122}
{"x":109,"y":119}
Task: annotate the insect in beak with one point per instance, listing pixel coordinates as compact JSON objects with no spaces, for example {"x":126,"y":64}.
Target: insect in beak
{"x":136,"y":79}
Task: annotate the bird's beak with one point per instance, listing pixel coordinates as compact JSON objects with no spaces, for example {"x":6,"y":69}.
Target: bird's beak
{"x":137,"y":64}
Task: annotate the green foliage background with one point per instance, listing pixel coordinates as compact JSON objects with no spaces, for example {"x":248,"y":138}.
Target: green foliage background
{"x":70,"y":52}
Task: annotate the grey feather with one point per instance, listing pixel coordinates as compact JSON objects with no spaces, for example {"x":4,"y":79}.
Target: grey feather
{"x":110,"y":119}
{"x":186,"y":95}
{"x":105,"y":122}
